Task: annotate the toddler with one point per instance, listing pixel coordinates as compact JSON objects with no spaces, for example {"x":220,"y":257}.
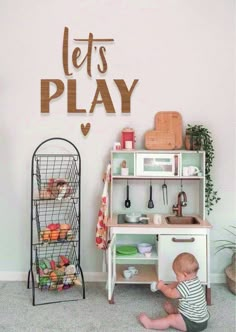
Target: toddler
{"x":191,"y":314}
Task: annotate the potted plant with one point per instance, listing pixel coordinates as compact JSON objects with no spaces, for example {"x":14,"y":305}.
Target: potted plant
{"x":199,"y":138}
{"x":230,"y":271}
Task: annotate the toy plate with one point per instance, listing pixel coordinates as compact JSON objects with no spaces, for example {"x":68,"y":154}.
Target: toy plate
{"x":127,"y":250}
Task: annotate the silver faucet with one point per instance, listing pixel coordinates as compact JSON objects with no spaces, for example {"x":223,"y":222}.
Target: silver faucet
{"x":182,"y":201}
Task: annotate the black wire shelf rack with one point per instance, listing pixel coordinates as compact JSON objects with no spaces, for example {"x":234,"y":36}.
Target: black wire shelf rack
{"x":55,"y":223}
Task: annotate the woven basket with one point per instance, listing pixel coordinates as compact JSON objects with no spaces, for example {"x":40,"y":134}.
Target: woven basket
{"x":230,"y":274}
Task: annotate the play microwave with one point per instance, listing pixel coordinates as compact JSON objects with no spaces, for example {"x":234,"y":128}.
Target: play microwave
{"x":157,"y":164}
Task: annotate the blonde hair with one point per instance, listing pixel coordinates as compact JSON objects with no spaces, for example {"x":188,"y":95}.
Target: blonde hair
{"x":185,"y":262}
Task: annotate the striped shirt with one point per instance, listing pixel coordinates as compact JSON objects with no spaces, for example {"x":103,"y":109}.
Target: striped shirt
{"x":192,"y":303}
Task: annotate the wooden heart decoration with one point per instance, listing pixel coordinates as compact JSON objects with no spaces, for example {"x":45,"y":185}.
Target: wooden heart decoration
{"x":85,"y":128}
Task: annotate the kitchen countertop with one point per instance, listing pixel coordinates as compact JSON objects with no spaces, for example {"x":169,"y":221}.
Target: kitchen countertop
{"x":112,"y":222}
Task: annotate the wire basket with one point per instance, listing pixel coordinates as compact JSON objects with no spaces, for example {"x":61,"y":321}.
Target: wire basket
{"x":56,"y":220}
{"x":57,"y":266}
{"x":57,"y":176}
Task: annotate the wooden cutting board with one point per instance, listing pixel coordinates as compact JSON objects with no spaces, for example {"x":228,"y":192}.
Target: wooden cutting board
{"x":159,"y":140}
{"x":170,"y":121}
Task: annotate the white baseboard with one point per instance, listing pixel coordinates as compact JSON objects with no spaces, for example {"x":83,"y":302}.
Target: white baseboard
{"x":216,"y":278}
{"x":13,"y":276}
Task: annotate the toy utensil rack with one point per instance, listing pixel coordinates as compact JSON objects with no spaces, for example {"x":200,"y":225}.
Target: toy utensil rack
{"x":55,"y":223}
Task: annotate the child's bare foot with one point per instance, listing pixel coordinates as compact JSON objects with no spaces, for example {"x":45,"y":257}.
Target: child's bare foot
{"x":170,"y":308}
{"x":145,"y":320}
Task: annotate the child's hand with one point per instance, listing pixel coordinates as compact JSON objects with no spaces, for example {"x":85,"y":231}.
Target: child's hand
{"x":160,"y":284}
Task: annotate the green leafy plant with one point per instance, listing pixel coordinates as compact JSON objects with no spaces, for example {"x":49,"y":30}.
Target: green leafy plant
{"x":200,"y":139}
{"x":228,"y":244}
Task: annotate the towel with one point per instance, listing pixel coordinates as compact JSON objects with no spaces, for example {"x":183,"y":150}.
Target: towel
{"x":101,"y":229}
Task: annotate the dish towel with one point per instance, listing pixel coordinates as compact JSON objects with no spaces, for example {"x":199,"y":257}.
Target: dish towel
{"x":101,"y":229}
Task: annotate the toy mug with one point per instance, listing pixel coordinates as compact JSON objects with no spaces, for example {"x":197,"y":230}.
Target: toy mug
{"x":133,"y":270}
{"x":157,"y":219}
{"x":127,"y":274}
{"x":190,"y":171}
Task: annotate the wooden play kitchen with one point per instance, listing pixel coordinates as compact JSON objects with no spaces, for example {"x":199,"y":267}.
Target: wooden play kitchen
{"x":170,"y":220}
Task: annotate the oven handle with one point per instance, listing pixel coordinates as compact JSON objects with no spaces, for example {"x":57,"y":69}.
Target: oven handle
{"x":192,"y":239}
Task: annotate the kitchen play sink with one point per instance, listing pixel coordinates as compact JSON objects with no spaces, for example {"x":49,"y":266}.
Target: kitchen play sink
{"x":186,"y":220}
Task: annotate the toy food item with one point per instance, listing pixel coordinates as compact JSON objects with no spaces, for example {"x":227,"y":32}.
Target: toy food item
{"x":77,"y":282}
{"x":53,"y":276}
{"x":42,"y":265}
{"x":63,"y":230}
{"x":70,"y":235}
{"x":55,"y":234}
{"x":60,"y":276}
{"x":60,"y":287}
{"x":46,"y":234}
{"x":56,"y":189}
{"x":59,"y":188}
{"x":43,"y":281}
{"x":63,"y":260}
{"x":67,"y":280}
{"x":45,"y":194}
{"x":70,"y":269}
{"x":53,"y":264}
{"x":47,"y":263}
{"x":53,"y":227}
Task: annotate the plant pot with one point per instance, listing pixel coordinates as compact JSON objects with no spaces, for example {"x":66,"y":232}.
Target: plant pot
{"x":193,"y":142}
{"x":230,"y":273}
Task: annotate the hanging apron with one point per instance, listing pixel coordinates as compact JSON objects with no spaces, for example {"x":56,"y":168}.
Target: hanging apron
{"x":101,"y":229}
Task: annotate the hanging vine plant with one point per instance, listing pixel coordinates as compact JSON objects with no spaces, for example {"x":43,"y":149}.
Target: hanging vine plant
{"x":199,"y":138}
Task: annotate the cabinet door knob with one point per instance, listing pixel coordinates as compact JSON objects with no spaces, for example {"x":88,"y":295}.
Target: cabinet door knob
{"x":192,"y":239}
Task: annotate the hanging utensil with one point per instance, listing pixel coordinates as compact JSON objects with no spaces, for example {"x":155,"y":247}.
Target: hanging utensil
{"x":150,"y":202}
{"x":165,"y":193}
{"x":127,"y":201}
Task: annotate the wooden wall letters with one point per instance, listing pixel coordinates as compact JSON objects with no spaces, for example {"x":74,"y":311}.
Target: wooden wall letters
{"x":72,"y":65}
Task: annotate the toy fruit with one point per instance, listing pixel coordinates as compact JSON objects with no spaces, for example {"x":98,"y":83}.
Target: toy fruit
{"x":53,"y":276}
{"x":53,"y":227}
{"x":46,"y":234}
{"x":63,"y":230}
{"x":55,"y":234}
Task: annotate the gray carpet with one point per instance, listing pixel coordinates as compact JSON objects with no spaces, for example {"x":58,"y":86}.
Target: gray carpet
{"x":95,"y":314}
